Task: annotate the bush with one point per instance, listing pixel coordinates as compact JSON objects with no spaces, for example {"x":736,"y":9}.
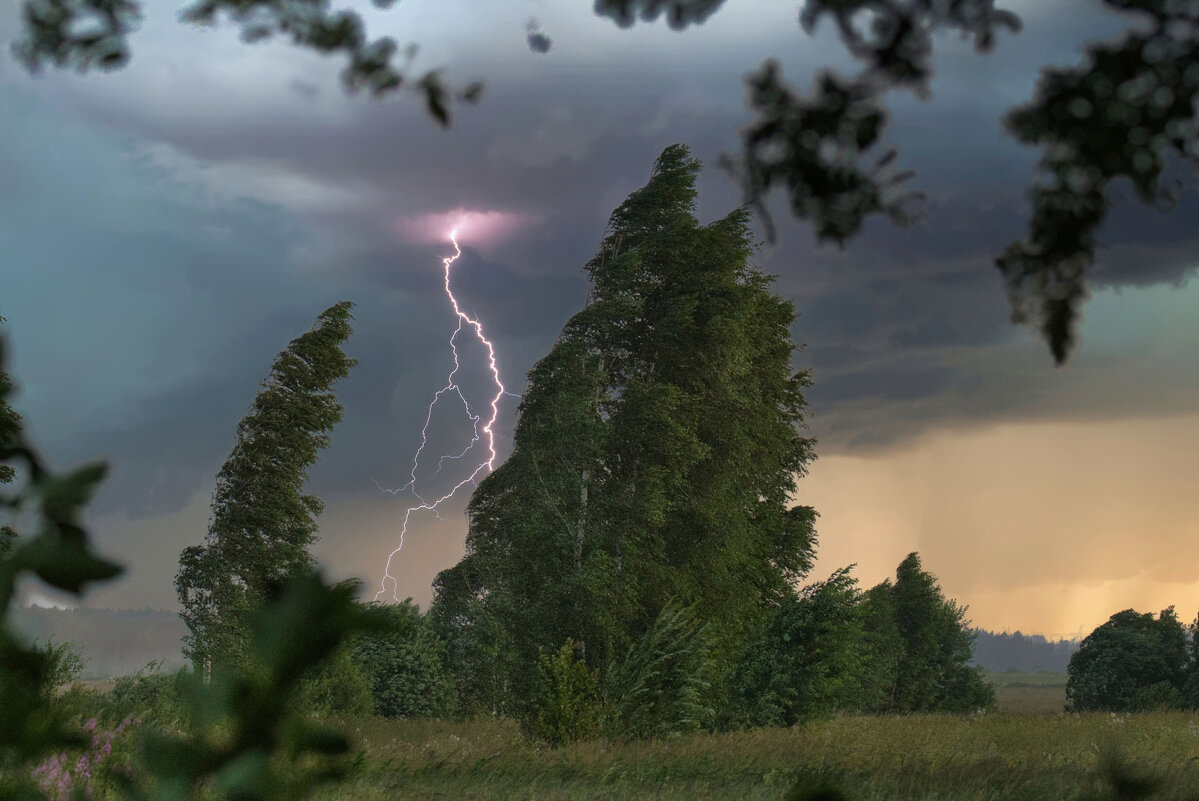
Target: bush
{"x":65,"y":664}
{"x":404,"y":665}
{"x":930,"y":657}
{"x":1129,"y":663}
{"x":566,"y":707}
{"x":663,"y":687}
{"x":808,"y":659}
{"x":147,"y":693}
{"x":337,"y":686}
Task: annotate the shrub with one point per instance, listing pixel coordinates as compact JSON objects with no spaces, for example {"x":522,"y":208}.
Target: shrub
{"x":663,"y":687}
{"x":404,"y":665}
{"x":808,"y":659}
{"x":336,"y":686}
{"x":1129,"y":663}
{"x":566,"y":707}
{"x":147,"y":693}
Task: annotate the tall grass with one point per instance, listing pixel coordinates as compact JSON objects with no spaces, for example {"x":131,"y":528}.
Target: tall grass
{"x":995,"y":756}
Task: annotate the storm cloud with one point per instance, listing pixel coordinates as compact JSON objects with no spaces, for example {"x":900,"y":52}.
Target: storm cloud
{"x":168,"y":228}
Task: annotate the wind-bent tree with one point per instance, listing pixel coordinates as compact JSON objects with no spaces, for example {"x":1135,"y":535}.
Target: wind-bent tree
{"x":655,"y":457}
{"x":262,"y":523}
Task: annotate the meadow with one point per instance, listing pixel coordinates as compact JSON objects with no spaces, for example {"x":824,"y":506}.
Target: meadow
{"x":1029,"y":693}
{"x":1020,"y":752}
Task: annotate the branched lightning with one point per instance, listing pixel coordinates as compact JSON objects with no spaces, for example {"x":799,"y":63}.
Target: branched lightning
{"x":487,"y":431}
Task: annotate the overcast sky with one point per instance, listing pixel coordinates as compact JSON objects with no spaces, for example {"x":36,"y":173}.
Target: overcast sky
{"x":166,"y":229}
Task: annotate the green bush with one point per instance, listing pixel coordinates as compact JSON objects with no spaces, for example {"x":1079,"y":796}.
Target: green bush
{"x":64,"y":664}
{"x":663,"y":687}
{"x":404,"y":665}
{"x":146,"y":693}
{"x":566,"y":707}
{"x":808,"y":659}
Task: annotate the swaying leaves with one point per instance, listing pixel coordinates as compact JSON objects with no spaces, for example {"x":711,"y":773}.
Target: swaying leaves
{"x":262,"y":524}
{"x":655,"y":457}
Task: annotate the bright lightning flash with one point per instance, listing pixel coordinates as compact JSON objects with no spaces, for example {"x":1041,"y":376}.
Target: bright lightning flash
{"x":486,"y":432}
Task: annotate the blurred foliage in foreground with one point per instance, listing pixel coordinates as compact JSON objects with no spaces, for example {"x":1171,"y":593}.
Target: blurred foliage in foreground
{"x":238,"y":736}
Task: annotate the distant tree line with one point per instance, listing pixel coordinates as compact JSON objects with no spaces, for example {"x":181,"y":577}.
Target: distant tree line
{"x":999,"y":652}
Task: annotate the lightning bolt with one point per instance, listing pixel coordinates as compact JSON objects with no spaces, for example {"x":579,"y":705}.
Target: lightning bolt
{"x":485,"y":432}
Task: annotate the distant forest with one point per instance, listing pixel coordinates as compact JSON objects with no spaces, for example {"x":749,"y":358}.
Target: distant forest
{"x":118,"y":642}
{"x":997,"y":653}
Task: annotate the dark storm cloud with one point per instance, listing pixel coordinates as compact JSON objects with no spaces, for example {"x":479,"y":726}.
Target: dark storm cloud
{"x":215,"y":207}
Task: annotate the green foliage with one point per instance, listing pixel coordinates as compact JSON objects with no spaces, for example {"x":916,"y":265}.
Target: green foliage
{"x":405,"y":665}
{"x":920,"y":645}
{"x":808,"y":659}
{"x":884,"y":650}
{"x":655,"y":457}
{"x":247,"y":737}
{"x":64,"y":664}
{"x":262,"y":524}
{"x":148,"y":693}
{"x":663,"y":687}
{"x":1190,"y":688}
{"x":1131,"y":662}
{"x":337,"y":686}
{"x":934,"y":674}
{"x":10,"y":430}
{"x":244,"y":737}
{"x":60,"y":554}
{"x":566,"y":707}
{"x":93,"y":33}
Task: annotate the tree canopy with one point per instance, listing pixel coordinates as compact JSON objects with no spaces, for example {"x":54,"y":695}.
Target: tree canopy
{"x":405,"y":664}
{"x":921,"y":647}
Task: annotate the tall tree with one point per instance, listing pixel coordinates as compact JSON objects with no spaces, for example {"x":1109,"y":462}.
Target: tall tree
{"x":655,"y":456}
{"x":262,"y":522}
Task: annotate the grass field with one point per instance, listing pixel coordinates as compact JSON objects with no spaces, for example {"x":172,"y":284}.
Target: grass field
{"x":1028,"y":752}
{"x":1029,"y":693}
